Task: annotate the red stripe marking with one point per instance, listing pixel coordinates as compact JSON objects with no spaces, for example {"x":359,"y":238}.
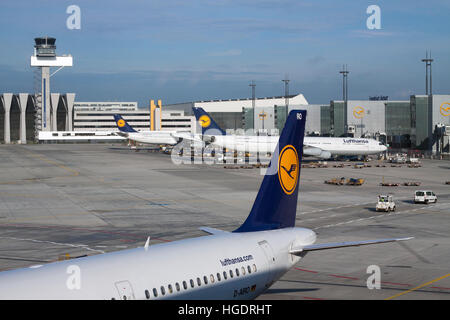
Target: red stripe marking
{"x":344,"y":277}
{"x":306,"y":270}
{"x":442,"y":288}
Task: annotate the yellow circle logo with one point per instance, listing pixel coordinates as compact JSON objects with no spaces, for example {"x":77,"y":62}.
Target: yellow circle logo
{"x":445,"y":111}
{"x":288,"y":168}
{"x":121,"y":123}
{"x":358,"y":112}
{"x":204,"y":121}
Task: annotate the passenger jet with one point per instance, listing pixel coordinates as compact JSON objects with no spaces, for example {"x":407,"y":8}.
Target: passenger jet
{"x":240,"y":264}
{"x":322,"y":147}
{"x":152,"y":137}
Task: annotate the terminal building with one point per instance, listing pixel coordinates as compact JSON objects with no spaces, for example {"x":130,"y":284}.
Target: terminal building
{"x":422,"y":122}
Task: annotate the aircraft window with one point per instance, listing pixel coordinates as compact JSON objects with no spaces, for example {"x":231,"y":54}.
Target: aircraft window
{"x":205,"y":279}
{"x":254,"y":267}
{"x":147,"y":294}
{"x":211,"y":277}
{"x":237,"y":272}
{"x":170,"y":288}
{"x":218,"y":276}
{"x":249,"y":269}
{"x":177,"y":285}
{"x":155,"y":292}
{"x":184,"y":285}
{"x":124,"y":297}
{"x":231,"y":273}
{"x":225,"y":275}
{"x":192,"y":283}
{"x":163,"y":290}
{"x":199,"y":282}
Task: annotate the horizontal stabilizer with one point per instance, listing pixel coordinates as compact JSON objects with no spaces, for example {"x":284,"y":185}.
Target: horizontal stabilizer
{"x":213,"y":230}
{"x":336,"y":245}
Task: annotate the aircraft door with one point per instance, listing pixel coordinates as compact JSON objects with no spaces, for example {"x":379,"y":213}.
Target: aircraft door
{"x":268,"y":252}
{"x":125,"y":290}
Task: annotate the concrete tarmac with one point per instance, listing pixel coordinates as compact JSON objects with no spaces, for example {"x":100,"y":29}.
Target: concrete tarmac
{"x":69,"y":200}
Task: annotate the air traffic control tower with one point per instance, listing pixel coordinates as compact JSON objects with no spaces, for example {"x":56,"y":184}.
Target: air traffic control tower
{"x":44,"y":58}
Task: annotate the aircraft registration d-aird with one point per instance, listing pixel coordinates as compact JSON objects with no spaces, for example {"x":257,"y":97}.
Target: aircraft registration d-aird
{"x":240,"y":264}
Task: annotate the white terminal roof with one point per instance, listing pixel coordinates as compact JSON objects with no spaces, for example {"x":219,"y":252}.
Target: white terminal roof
{"x":235,"y":105}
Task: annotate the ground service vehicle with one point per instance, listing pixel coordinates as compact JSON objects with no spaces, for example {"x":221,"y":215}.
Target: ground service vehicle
{"x":385,"y":203}
{"x":424,"y":196}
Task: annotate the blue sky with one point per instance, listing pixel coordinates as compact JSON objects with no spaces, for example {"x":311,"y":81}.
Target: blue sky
{"x":179,"y":51}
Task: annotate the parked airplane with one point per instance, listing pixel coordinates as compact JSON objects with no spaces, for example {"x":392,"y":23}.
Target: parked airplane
{"x":322,"y":147}
{"x":151,"y":137}
{"x":224,"y":265}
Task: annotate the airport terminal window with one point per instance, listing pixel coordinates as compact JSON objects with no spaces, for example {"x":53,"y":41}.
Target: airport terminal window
{"x":192,"y":283}
{"x":163,"y":290}
{"x":237,"y":272}
{"x":155,"y":292}
{"x":249,"y":269}
{"x":184,"y":285}
{"x":170,"y":288}
{"x":177,"y":285}
{"x":231,"y":273}
{"x":147,"y":294}
{"x":225,"y":275}
{"x":218,"y":276}
{"x":211,"y":278}
{"x":205,"y":279}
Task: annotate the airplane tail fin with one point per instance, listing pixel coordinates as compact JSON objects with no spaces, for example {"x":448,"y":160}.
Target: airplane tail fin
{"x":275,"y":206}
{"x":122,"y":124}
{"x":209,"y":126}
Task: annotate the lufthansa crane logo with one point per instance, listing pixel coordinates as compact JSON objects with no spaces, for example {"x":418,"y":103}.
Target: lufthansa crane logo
{"x":204,"y":121}
{"x":445,"y":109}
{"x":288,"y":169}
{"x":121,"y":123}
{"x":358,"y":112}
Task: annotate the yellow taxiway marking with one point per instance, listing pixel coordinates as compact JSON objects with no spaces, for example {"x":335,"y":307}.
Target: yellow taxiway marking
{"x":421,"y":286}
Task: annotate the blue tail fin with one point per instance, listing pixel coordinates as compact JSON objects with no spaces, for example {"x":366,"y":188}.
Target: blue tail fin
{"x":275,"y":206}
{"x":209,"y":126}
{"x":122,"y":124}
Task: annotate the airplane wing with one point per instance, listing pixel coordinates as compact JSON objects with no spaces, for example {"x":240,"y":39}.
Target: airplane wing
{"x":186,"y":136}
{"x":213,"y":230}
{"x":335,"y":245}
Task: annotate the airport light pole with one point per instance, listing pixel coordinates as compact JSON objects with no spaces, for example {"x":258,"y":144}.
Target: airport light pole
{"x":253,"y":85}
{"x":344,"y":73}
{"x":428,"y":80}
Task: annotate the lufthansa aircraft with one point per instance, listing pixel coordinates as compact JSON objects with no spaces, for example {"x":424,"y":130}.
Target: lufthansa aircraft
{"x":322,"y":147}
{"x":224,"y":265}
{"x":151,"y":137}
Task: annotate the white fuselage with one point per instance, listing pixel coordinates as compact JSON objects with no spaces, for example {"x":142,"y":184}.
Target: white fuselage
{"x":153,"y":137}
{"x":138,"y":273}
{"x":335,"y":146}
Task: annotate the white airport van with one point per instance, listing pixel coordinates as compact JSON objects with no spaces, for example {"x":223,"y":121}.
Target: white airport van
{"x":424,"y":196}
